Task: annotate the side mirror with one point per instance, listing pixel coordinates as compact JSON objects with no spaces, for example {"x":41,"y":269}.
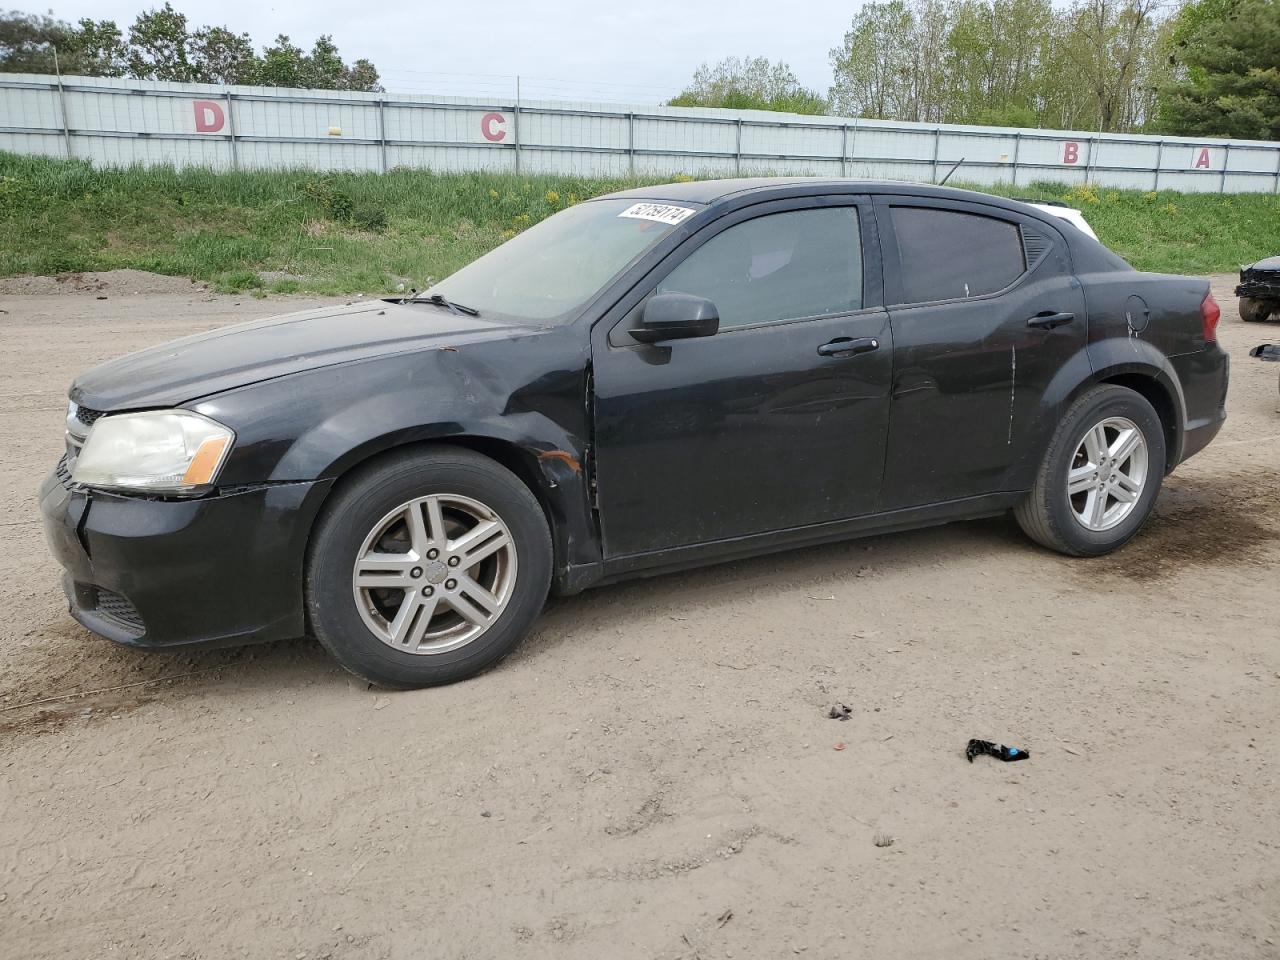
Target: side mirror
{"x":676,"y":316}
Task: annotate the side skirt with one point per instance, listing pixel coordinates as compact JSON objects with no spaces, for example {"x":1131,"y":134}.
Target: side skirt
{"x":658,"y":562}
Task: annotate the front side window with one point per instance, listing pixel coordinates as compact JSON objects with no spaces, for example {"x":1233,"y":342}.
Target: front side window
{"x":948,"y":255}
{"x":802,"y":263}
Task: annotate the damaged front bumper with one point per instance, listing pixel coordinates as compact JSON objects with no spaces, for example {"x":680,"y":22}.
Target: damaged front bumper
{"x":216,"y":571}
{"x":1260,"y":280}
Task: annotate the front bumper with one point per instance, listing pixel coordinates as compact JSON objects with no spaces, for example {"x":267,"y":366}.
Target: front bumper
{"x":1262,"y":288}
{"x":217,"y":571}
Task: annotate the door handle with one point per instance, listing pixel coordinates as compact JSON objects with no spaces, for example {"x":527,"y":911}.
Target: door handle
{"x":1047,"y":320}
{"x":846,"y":347}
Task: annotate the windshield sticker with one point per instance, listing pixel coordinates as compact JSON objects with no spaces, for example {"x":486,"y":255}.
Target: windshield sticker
{"x":661,"y":212}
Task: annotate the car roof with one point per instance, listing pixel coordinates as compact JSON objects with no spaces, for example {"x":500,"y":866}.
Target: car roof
{"x":721,"y":196}
{"x":712,"y":192}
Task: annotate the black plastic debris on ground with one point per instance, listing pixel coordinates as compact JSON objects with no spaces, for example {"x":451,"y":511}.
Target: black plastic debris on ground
{"x":1266,"y":351}
{"x":839,"y":712}
{"x":978,"y":748}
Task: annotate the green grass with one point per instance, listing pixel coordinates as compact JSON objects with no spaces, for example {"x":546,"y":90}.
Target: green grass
{"x":347,"y":233}
{"x":330,"y":233}
{"x":1169,"y":232}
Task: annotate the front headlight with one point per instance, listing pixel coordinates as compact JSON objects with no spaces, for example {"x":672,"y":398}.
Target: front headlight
{"x":159,"y":451}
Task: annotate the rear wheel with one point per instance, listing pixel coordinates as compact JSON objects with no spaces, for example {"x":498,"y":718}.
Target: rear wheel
{"x":1253,"y":310}
{"x":427,"y":567}
{"x":1100,"y":476}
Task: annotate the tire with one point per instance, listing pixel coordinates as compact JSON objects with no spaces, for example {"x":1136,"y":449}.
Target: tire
{"x":365,"y":561}
{"x":1071,"y":523}
{"x":1253,"y":310}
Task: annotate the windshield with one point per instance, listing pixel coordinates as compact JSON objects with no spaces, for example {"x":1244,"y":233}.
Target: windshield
{"x":548,"y":272}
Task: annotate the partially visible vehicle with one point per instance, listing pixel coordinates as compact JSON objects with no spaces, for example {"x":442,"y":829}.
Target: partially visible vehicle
{"x":1259,"y":290}
{"x":1063,"y":212}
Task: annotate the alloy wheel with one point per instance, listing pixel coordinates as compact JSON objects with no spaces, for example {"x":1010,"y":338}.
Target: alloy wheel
{"x":434,"y":574}
{"x":1108,"y":473}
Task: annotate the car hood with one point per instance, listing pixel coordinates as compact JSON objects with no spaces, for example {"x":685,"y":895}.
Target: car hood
{"x":1270,"y":263}
{"x":246,"y":353}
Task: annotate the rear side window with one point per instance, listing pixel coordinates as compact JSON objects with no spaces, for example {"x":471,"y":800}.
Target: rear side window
{"x":801,"y":263}
{"x":947,"y":255}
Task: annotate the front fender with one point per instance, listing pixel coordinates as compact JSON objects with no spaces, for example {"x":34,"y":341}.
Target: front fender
{"x":517,"y":400}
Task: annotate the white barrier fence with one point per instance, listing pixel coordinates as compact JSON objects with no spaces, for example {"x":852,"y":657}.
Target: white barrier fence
{"x":119,"y":122}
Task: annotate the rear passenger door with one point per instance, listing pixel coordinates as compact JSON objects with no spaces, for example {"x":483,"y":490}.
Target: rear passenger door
{"x":984,"y":311}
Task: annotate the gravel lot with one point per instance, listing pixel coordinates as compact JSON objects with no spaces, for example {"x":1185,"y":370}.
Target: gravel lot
{"x":653,"y":774}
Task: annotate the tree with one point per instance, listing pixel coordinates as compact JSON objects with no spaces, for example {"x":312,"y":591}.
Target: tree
{"x":27,"y":41}
{"x":1114,"y":49}
{"x":219,"y":56}
{"x":323,"y":69}
{"x":749,"y":83}
{"x":286,"y":65}
{"x":92,"y":47}
{"x":1232,"y":82}
{"x":892,"y":62}
{"x":158,"y":46}
{"x":161,"y":47}
{"x":996,"y":58}
{"x":873,"y":66}
{"x":1189,"y":23}
{"x":362,"y":75}
{"x":1003,"y":62}
{"x":281,"y":64}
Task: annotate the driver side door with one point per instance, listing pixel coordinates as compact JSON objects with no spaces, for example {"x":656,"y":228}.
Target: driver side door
{"x":764,"y":426}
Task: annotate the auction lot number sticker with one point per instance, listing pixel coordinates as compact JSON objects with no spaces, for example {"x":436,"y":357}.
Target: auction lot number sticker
{"x":661,"y":212}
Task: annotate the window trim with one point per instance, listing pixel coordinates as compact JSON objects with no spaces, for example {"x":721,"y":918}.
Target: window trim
{"x":893,"y":293}
{"x":620,"y":320}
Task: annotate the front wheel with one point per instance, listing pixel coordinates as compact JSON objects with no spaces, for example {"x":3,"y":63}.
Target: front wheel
{"x":427,"y":567}
{"x":1253,"y":310}
{"x":1100,"y":476}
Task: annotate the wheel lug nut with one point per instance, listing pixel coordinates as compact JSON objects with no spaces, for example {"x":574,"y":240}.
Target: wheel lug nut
{"x":416,"y":572}
{"x":453,"y":561}
{"x":427,"y":591}
{"x":450,"y":584}
{"x":432,"y":553}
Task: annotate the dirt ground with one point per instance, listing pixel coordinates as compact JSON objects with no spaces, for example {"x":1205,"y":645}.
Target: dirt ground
{"x":653,"y":773}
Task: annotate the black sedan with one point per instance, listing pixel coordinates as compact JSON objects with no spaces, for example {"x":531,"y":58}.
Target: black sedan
{"x":651,"y":380}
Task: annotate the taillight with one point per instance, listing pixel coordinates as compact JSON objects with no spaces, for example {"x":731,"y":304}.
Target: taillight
{"x":1210,"y":314}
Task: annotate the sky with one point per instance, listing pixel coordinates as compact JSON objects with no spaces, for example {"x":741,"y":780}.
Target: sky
{"x":563,"y":49}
